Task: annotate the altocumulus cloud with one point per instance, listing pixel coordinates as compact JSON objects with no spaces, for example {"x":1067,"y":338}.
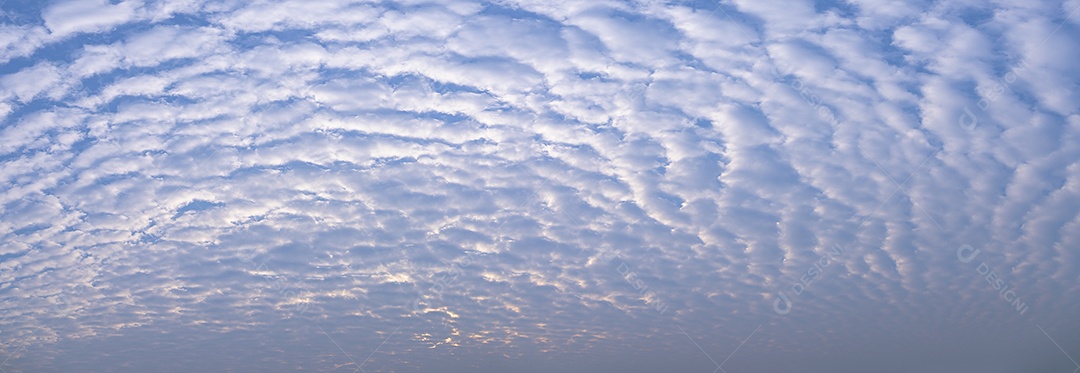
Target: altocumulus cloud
{"x":742,"y":186}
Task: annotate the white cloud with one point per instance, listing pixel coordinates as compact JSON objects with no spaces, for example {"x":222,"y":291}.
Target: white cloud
{"x":32,"y":82}
{"x":75,"y":16}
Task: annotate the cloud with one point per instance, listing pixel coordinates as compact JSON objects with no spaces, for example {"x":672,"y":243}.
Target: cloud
{"x":76,"y":16}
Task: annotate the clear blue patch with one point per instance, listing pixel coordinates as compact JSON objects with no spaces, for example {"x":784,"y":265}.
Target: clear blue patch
{"x":252,"y":40}
{"x":112,"y":178}
{"x":22,"y":12}
{"x":196,"y":206}
{"x":842,"y":8}
{"x":590,"y":76}
{"x":30,"y":229}
{"x":512,"y":12}
{"x":10,"y":256}
{"x":976,"y":16}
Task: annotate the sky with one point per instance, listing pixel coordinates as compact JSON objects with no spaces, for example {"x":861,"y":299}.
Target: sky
{"x":539,"y":186}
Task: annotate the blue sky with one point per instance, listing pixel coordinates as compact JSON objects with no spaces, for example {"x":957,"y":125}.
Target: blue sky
{"x":535,"y":186}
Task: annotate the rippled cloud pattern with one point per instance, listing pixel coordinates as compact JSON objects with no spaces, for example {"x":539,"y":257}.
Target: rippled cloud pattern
{"x":539,"y":186}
